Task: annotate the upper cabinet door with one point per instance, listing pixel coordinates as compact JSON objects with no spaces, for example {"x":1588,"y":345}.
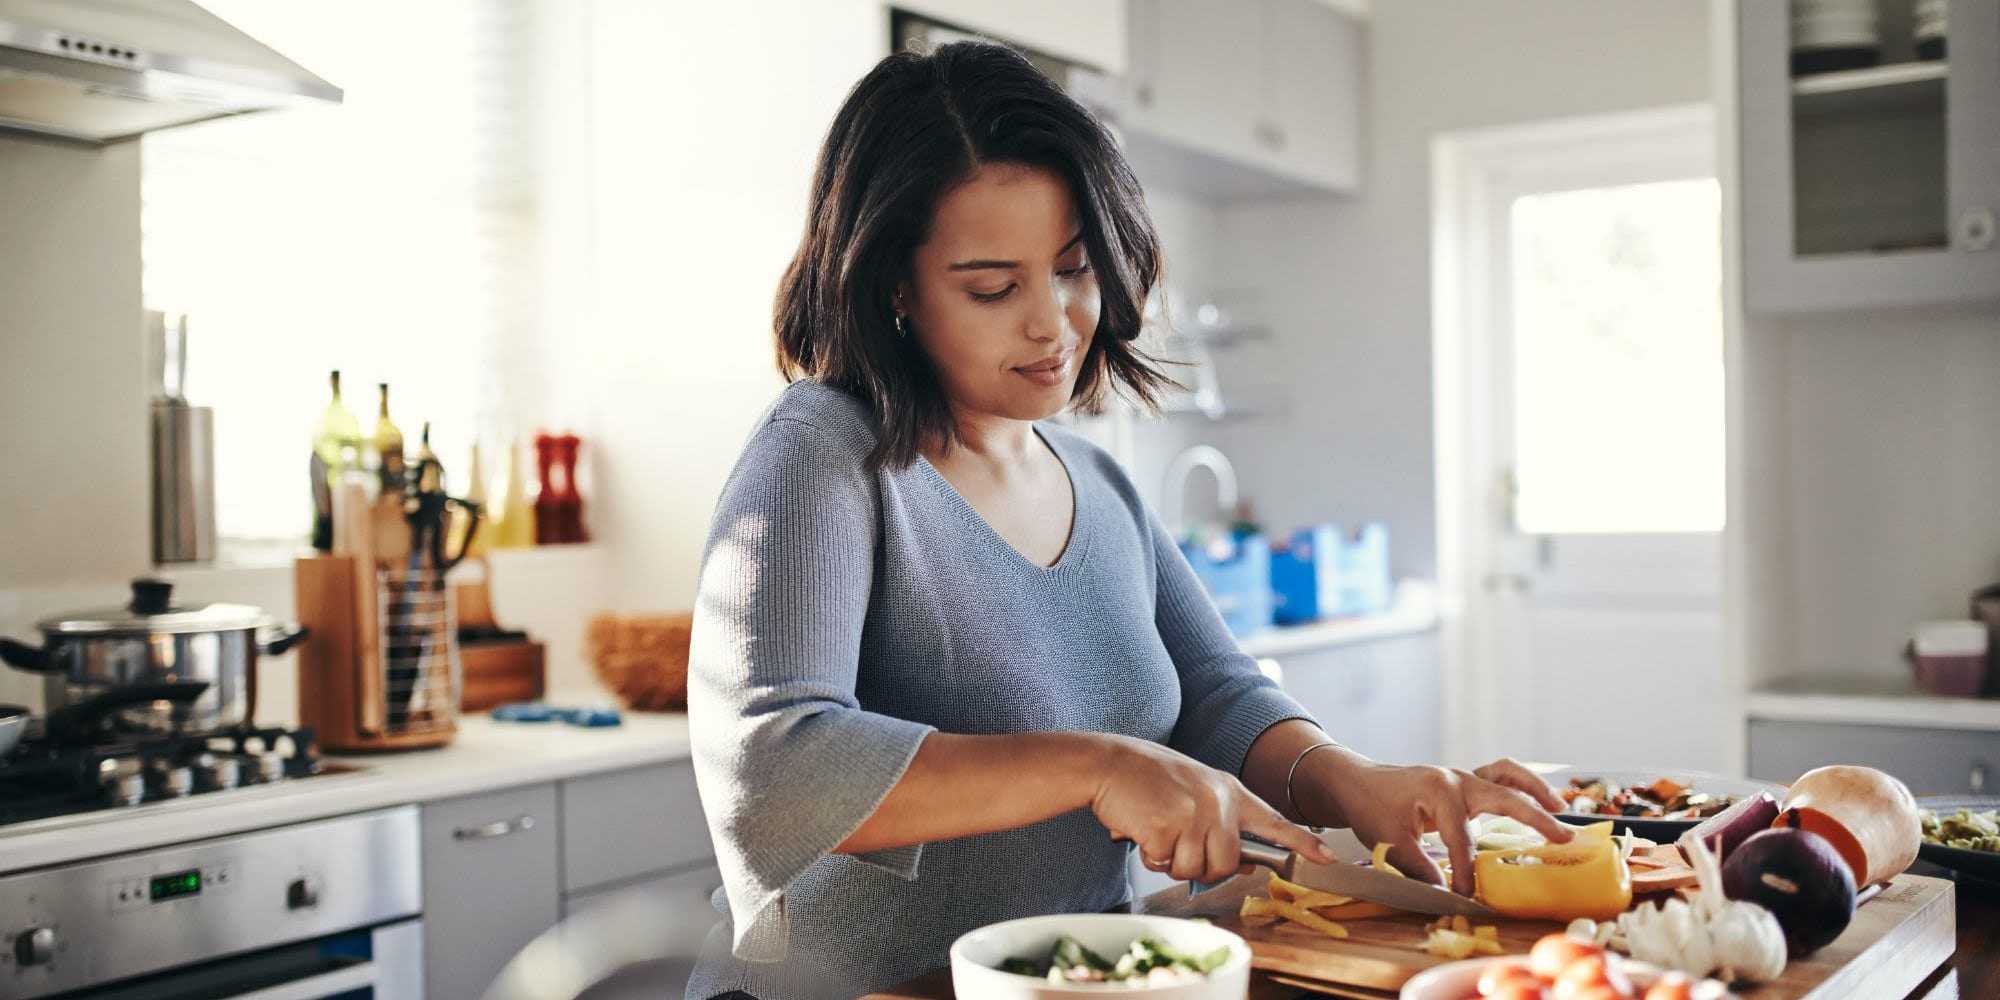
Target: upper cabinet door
{"x":1200,"y":64}
{"x":1244,"y":98}
{"x":1873,"y":186}
{"x":1313,"y":92}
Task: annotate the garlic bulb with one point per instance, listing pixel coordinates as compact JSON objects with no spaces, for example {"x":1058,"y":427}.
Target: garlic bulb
{"x":1673,"y":934}
{"x":1710,"y":933}
{"x":1749,"y":943}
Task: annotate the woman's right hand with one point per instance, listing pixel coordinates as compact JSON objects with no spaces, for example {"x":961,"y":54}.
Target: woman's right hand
{"x":1185,"y":817}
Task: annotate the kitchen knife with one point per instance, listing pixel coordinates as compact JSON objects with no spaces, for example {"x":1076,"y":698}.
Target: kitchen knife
{"x":1348,"y":879}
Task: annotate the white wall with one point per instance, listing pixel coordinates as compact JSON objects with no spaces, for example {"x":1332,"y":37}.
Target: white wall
{"x":1892,"y":440}
{"x":1349,"y":281}
{"x":700,"y":154}
{"x":73,"y":385}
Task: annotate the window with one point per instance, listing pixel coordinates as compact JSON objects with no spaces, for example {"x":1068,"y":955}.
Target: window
{"x":390,"y":237}
{"x":1618,"y":409}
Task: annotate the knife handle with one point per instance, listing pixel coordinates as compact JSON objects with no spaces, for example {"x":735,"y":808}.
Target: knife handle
{"x":1256,"y":852}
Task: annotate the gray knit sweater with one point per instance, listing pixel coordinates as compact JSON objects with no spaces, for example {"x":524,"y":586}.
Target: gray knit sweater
{"x":843,"y":615}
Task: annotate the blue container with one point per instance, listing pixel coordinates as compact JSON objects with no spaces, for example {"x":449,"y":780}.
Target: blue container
{"x":1236,"y":572}
{"x":1305,"y":576}
{"x":1365,"y":587}
{"x":1319,"y":573}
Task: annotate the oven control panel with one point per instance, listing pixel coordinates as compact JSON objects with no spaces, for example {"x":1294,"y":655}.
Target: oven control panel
{"x":95,"y":922}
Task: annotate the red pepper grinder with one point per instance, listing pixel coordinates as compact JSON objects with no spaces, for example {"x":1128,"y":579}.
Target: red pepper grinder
{"x":548,"y":521}
{"x":570,"y":499}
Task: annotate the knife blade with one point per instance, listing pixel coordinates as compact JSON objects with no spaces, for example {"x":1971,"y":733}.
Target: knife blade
{"x":1348,"y":879}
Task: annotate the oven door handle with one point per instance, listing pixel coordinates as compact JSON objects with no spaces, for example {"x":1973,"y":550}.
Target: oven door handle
{"x":327,"y":984}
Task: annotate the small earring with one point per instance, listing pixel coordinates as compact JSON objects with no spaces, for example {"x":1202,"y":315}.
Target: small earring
{"x":901,"y":330}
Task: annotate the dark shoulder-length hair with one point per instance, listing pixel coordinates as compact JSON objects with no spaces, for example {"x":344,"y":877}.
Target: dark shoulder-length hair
{"x":914,"y":128}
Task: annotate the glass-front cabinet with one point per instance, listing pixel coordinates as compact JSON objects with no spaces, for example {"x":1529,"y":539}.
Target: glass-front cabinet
{"x":1869,"y":137}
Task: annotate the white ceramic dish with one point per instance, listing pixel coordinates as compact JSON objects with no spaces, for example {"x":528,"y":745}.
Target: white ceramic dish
{"x":1454,"y":980}
{"x":976,"y":956}
{"x":1460,"y":980}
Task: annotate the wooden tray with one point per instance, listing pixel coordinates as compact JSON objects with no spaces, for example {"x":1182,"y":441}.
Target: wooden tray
{"x":1896,"y":940}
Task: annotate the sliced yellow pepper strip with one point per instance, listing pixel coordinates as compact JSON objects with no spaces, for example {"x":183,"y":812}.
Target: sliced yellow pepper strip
{"x":1312,"y":899}
{"x":1254,"y":907}
{"x":1381,"y":860}
{"x":1583,"y":878}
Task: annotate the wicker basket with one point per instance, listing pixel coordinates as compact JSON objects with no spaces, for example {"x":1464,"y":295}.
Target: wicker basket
{"x":643,"y":659}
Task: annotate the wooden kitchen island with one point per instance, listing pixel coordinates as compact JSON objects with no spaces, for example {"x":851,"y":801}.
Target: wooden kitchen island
{"x":1971,"y":971}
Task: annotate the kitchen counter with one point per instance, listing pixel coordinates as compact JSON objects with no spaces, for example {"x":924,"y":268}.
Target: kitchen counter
{"x":486,"y":756}
{"x":1870,"y":701}
{"x":1414,"y":611}
{"x":1973,"y":971}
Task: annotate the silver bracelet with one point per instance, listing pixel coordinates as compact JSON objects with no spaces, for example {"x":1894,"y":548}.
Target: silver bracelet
{"x":1296,"y":761}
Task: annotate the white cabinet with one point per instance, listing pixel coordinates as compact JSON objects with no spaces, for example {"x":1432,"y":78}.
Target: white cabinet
{"x":503,"y":867}
{"x":490,"y":885}
{"x":1381,"y":697}
{"x":1313,"y":125}
{"x":1869,"y":188}
{"x":626,"y":824}
{"x":1091,"y":32}
{"x":1930,"y":761}
{"x":1244,"y":99}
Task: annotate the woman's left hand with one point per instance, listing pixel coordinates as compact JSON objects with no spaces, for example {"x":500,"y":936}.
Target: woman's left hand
{"x":1386,"y":803}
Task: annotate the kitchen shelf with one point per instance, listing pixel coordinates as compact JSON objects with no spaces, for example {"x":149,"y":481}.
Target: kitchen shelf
{"x":1869,"y":701}
{"x":1877,"y":88}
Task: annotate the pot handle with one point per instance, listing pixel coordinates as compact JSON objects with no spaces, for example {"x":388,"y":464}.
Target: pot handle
{"x":72,"y":721}
{"x":283,"y":640}
{"x":22,"y":656}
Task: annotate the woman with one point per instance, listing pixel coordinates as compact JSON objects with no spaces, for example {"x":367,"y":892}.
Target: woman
{"x":947,"y":667}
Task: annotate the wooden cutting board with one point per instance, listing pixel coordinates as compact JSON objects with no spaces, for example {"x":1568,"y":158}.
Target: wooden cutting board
{"x":1896,"y":940}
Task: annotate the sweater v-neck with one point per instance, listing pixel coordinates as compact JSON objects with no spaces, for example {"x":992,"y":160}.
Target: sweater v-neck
{"x":1074,"y":548}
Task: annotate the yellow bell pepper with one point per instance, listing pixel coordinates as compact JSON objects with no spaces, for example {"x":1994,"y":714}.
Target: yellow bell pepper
{"x":1586,"y":877}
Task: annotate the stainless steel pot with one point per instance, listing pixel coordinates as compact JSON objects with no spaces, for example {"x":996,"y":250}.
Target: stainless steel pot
{"x":13,"y":725}
{"x":93,"y":653}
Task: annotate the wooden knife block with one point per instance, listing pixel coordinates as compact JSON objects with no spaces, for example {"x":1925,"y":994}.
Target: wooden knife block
{"x":342,"y":675}
{"x":500,"y":672}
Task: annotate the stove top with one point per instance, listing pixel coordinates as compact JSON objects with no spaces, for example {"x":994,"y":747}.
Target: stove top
{"x":47,"y":778}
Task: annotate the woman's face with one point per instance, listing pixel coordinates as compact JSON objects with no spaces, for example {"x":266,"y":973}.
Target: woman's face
{"x":1001,"y":296}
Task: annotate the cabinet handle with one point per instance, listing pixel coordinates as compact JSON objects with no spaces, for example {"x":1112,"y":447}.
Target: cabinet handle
{"x":1978,"y":779}
{"x":1975,"y":230}
{"x":497,"y":828}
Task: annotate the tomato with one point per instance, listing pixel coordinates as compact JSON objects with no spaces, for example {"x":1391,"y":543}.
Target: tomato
{"x":1500,"y":976}
{"x":1581,"y":978}
{"x":1672,"y":986}
{"x":1554,"y":953}
{"x":1602,"y":992}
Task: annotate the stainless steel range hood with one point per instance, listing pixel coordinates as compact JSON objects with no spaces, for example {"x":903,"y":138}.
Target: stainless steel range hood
{"x":100,"y":71}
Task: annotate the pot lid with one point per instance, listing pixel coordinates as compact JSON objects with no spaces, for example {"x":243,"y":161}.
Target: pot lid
{"x":152,"y":612}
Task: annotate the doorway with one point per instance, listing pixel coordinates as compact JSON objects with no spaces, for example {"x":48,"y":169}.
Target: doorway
{"x":1578,"y":344}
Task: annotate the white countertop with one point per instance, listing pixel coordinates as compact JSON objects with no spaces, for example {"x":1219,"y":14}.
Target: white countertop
{"x":486,"y":756}
{"x":1415,"y":610}
{"x":1870,"y":701}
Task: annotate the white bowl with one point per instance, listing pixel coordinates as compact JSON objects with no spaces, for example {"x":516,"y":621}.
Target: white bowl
{"x":1454,"y":980}
{"x":976,"y":956}
{"x":1460,"y":980}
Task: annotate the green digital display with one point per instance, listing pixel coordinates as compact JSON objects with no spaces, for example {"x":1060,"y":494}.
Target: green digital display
{"x":178,"y":884}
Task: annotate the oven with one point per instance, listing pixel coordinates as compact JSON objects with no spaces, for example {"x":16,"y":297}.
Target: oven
{"x":325,"y":910}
